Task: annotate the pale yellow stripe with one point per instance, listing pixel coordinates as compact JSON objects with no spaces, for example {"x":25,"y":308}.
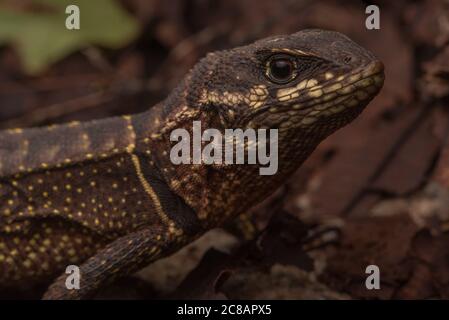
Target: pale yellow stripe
{"x":149,"y":190}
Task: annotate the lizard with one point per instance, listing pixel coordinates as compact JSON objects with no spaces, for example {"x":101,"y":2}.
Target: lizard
{"x":104,"y":195}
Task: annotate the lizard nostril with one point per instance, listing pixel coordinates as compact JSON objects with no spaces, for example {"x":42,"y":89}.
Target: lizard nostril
{"x":347,"y":59}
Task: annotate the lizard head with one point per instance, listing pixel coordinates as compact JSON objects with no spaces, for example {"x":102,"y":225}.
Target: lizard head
{"x":306,"y":85}
{"x":307,"y":80}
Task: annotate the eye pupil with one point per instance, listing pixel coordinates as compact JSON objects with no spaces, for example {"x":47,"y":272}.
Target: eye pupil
{"x":281,"y":70}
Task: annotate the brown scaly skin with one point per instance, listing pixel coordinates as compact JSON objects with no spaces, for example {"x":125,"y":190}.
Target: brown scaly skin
{"x":105,"y":196}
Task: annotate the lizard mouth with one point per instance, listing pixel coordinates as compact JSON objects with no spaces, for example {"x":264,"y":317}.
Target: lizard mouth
{"x":318,"y":98}
{"x":356,"y":86}
{"x":351,"y":90}
{"x":309,"y":103}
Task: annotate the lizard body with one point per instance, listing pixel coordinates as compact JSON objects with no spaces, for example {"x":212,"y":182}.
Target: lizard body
{"x":104,"y":195}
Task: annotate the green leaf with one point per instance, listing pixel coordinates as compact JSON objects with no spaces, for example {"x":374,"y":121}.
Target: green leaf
{"x":41,"y":37}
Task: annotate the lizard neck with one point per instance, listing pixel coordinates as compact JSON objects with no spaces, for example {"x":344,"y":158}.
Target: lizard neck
{"x":219,"y":192}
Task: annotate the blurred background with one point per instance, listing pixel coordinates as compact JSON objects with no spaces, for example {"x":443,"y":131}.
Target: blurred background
{"x":376,"y":192}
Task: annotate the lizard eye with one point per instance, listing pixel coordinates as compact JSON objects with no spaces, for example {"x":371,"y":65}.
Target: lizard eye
{"x":281,"y":69}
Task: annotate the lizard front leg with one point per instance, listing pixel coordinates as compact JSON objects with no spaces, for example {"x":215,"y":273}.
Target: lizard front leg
{"x":122,"y":256}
